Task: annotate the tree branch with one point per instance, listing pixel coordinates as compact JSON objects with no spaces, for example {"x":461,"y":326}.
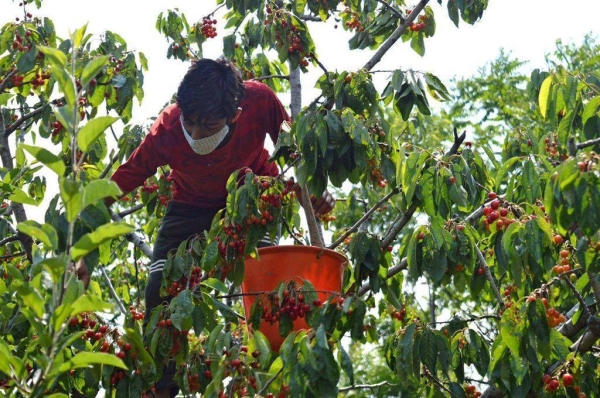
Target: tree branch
{"x":132,"y":210}
{"x":363,"y":219}
{"x":261,"y":78}
{"x":366,"y":386}
{"x":24,"y":118}
{"x":595,"y":283}
{"x":395,"y":11}
{"x":4,"y":82}
{"x":397,"y":227}
{"x":8,"y":239}
{"x":390,"y":273}
{"x":458,"y":140}
{"x":585,"y":144}
{"x":133,"y":237}
{"x":489,"y":276}
{"x":393,"y":38}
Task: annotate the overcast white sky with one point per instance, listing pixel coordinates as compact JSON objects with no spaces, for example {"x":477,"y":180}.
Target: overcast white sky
{"x":528,"y":28}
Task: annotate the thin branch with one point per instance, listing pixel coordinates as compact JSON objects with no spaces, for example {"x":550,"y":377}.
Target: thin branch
{"x":489,"y":276}
{"x":576,"y":293}
{"x":323,"y":68}
{"x":595,"y":283}
{"x":266,"y":77}
{"x":4,"y":82}
{"x":311,"y":18}
{"x":366,"y":386}
{"x":24,"y":118}
{"x":13,"y":255}
{"x":428,"y":375}
{"x":9,"y":239}
{"x":132,"y":210}
{"x":390,"y":273}
{"x":109,"y":166}
{"x":397,"y":227}
{"x":113,"y":292}
{"x":268,"y":383}
{"x":133,"y":237}
{"x":458,"y":140}
{"x":473,"y":319}
{"x":393,"y":38}
{"x":363,"y":219}
{"x":395,"y":11}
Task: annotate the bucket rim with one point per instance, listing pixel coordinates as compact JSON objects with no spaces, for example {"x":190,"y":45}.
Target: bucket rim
{"x":304,"y":248}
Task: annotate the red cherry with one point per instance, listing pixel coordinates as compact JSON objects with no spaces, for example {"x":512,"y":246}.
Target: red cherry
{"x":567,"y":379}
{"x":558,"y":239}
{"x":492,"y":195}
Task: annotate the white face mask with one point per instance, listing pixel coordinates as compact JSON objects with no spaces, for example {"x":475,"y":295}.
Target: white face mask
{"x":204,"y":146}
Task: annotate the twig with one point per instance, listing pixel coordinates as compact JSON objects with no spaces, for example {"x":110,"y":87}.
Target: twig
{"x":266,"y":77}
{"x":5,"y":81}
{"x":112,"y":290}
{"x":395,"y":11}
{"x":588,"y":314}
{"x":323,"y":68}
{"x":311,"y":18}
{"x":595,"y":283}
{"x":363,"y":219}
{"x":366,"y":386}
{"x":132,"y":210}
{"x":473,"y":319}
{"x":585,"y":144}
{"x":8,"y":239}
{"x":390,"y":273}
{"x":397,"y":227}
{"x":458,"y":140}
{"x":133,"y":237}
{"x":109,"y":166}
{"x":393,"y":38}
{"x":13,"y":255}
{"x":268,"y":383}
{"x":24,"y":118}
{"x":489,"y":276}
{"x":428,"y":374}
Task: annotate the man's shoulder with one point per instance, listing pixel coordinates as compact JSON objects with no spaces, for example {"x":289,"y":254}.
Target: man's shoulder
{"x":167,"y":120}
{"x":256,"y":90}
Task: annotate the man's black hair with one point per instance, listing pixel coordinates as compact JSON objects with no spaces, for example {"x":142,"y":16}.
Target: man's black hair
{"x":210,"y":89}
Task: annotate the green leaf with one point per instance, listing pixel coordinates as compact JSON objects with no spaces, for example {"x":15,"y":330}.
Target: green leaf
{"x":57,"y":58}
{"x":591,"y":109}
{"x":90,"y":241}
{"x":181,"y":308}
{"x":46,"y":157}
{"x":98,"y":189}
{"x":66,"y":85}
{"x":83,"y":303}
{"x":56,"y":266}
{"x":78,"y":36}
{"x":229,"y":314}
{"x":42,"y":232}
{"x":92,"y":68}
{"x":5,"y":97}
{"x":92,"y":130}
{"x":428,"y":350}
{"x":86,"y":359}
{"x":346,"y":363}
{"x":544,"y":95}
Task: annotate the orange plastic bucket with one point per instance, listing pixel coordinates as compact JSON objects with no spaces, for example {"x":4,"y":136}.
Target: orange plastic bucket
{"x":277,"y":264}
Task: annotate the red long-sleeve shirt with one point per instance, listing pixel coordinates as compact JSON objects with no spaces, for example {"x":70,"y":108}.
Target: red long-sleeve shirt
{"x":200,"y":180}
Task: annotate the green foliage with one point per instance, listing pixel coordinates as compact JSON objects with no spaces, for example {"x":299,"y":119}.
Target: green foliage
{"x":507,"y":245}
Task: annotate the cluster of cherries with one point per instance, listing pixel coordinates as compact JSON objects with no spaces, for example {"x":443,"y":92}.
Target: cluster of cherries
{"x":292,"y":39}
{"x":552,"y":384}
{"x":21,"y":43}
{"x":494,"y":213}
{"x":292,"y":304}
{"x":353,"y":22}
{"x":420,"y":25}
{"x":185,"y":283}
{"x":472,"y":392}
{"x":564,"y":265}
{"x":209,"y":27}
{"x":399,"y":315}
{"x":376,"y":174}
